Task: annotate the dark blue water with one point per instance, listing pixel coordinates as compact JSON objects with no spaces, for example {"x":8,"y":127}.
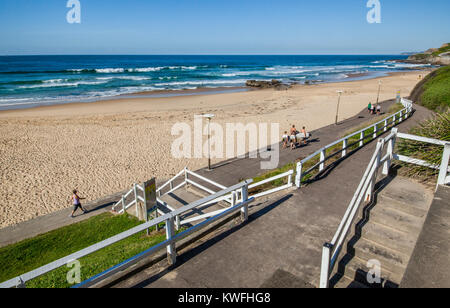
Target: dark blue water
{"x":42,"y":80}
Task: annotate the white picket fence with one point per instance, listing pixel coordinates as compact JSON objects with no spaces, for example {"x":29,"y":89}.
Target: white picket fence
{"x":365,"y":190}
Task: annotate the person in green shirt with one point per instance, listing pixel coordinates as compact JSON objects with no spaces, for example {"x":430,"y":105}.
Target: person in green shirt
{"x":370,"y":108}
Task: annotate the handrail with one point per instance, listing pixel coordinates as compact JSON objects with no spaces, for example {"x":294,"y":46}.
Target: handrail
{"x":331,"y":251}
{"x":393,"y":119}
{"x":169,"y":218}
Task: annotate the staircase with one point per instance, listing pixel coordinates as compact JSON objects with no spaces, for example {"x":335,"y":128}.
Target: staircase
{"x":387,"y":232}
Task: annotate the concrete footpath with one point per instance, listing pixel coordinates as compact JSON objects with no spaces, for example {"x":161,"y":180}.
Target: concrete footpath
{"x":280,"y":245}
{"x":226,"y":173}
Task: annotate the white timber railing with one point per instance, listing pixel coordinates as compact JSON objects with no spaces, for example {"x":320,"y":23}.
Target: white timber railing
{"x":169,"y":244}
{"x":364,"y":192}
{"x":236,"y":196}
{"x":376,"y":129}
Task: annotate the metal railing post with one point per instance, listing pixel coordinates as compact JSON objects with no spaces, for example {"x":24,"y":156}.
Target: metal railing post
{"x":444,"y":165}
{"x":171,"y":250}
{"x":375,"y":131}
{"x":325,"y":267}
{"x":244,"y":210}
{"x":385,"y":125}
{"x":400,"y":117}
{"x":361,"y":143}
{"x":344,"y":147}
{"x":298,"y":175}
{"x":322,"y":159}
{"x":394,"y":119}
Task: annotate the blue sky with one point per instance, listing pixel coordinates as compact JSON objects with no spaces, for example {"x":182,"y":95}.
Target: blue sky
{"x":221,"y":27}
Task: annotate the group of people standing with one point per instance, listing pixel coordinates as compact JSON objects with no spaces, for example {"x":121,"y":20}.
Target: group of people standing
{"x":292,"y":139}
{"x":374,"y":109}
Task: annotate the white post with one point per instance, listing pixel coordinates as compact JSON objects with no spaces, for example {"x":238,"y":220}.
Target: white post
{"x":361,"y":143}
{"x":290,"y":180}
{"x":385,"y":125}
{"x":400,"y":117}
{"x":375,"y":131}
{"x":177,"y":222}
{"x":371,"y":188}
{"x":136,"y":201}
{"x":444,"y":165}
{"x":171,"y":252}
{"x":322,"y":160}
{"x":344,"y":147}
{"x":244,"y":210}
{"x":233,"y":199}
{"x":298,"y":176}
{"x":394,"y":119}
{"x":325,"y":267}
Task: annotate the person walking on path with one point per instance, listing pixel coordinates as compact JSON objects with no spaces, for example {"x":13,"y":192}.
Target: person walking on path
{"x":76,"y":203}
{"x":369,"y":107}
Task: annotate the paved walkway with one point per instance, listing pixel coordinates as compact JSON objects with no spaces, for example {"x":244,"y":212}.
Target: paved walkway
{"x":227,"y":173}
{"x":281,"y":244}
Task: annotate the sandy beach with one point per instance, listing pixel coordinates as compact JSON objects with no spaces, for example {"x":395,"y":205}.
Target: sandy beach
{"x":103,"y":147}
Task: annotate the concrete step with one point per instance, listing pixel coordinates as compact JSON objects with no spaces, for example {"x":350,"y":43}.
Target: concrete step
{"x":408,"y":192}
{"x":356,"y":269}
{"x":390,"y":260}
{"x":409,"y":208}
{"x":391,"y":238}
{"x":396,"y":219}
{"x":347,"y":283}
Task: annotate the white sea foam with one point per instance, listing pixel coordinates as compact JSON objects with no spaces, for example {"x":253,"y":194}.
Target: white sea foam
{"x":202,"y":83}
{"x":62,"y":84}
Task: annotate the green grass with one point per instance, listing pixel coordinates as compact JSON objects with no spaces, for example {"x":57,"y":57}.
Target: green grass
{"x":30,"y":254}
{"x":436,"y":128}
{"x":433,"y":92}
{"x":436,"y":90}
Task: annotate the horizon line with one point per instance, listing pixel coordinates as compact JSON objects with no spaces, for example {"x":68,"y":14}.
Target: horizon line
{"x":212,"y":54}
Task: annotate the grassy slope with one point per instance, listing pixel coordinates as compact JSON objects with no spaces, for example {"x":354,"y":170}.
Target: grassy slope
{"x":30,"y":254}
{"x":434,"y":91}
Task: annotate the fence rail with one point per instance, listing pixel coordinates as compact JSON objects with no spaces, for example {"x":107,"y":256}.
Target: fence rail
{"x":365,"y":190}
{"x":387,"y":123}
{"x":171,"y":238}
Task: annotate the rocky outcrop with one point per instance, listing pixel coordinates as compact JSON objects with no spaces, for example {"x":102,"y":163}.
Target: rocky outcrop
{"x":434,"y":56}
{"x":262,"y":84}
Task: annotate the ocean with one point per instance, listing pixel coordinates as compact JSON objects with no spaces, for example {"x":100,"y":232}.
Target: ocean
{"x":28,"y":81}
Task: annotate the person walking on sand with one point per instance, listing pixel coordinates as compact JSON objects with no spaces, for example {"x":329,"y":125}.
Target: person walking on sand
{"x":76,"y":203}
